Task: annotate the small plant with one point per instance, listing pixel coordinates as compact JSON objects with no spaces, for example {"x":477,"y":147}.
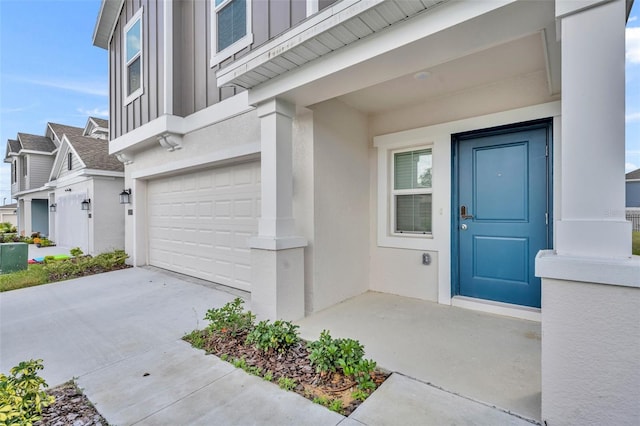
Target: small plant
{"x":328,"y":354}
{"x":255,"y":370}
{"x":240,"y":363}
{"x":324,"y":353}
{"x":278,"y":336}
{"x":196,"y":338}
{"x":230,"y":318}
{"x":336,"y":405}
{"x":224,"y":357}
{"x":268,"y":376}
{"x":359,"y":395}
{"x":76,"y":252}
{"x":286,"y":383}
{"x":21,"y":394}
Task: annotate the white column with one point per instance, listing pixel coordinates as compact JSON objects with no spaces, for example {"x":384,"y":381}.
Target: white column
{"x":592,"y":221}
{"x":26,"y":214}
{"x":591,"y":283}
{"x":277,"y":255}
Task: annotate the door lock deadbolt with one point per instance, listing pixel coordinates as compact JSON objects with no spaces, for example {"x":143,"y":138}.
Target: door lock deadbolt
{"x":426,"y":259}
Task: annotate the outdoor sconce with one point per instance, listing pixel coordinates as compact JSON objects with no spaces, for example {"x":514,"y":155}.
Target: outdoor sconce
{"x":125,"y":196}
{"x":53,"y":207}
{"x":84,"y":205}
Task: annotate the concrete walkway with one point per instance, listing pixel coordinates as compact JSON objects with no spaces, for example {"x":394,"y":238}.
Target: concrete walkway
{"x":119,"y":334}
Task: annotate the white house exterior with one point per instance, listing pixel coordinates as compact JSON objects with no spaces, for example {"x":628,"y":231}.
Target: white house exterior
{"x":469,"y":153}
{"x":79,"y":168}
{"x":8,"y":214}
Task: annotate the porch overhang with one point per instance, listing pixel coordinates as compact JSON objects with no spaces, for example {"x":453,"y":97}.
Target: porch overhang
{"x":335,"y":27}
{"x":437,"y":33}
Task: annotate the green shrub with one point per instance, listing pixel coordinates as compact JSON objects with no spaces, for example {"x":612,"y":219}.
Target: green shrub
{"x":76,"y":251}
{"x":21,"y":394}
{"x":230,"y":318}
{"x":328,"y":354}
{"x":45,"y":242}
{"x":278,"y":336}
{"x":286,"y":383}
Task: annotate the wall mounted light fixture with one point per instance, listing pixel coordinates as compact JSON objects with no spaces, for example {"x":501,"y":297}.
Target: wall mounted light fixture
{"x":53,"y":207}
{"x":84,"y":205}
{"x":125,"y":196}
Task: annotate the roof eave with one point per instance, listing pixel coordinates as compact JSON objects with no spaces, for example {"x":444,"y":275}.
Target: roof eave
{"x":106,"y":22}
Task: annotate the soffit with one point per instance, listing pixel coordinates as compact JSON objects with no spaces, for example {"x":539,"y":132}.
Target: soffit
{"x":335,"y":27}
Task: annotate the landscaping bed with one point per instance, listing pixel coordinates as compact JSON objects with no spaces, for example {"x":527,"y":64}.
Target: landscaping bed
{"x":71,"y":407}
{"x":331,"y":372}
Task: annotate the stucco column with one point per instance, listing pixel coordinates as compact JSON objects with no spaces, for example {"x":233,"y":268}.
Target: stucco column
{"x":277,"y":255}
{"x":592,"y":212}
{"x":26,"y":214}
{"x":591,"y":283}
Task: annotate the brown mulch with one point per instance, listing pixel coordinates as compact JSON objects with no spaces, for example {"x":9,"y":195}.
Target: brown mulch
{"x":71,"y":408}
{"x":293,"y":364}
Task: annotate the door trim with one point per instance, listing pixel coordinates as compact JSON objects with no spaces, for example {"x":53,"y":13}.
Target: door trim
{"x":546,"y":123}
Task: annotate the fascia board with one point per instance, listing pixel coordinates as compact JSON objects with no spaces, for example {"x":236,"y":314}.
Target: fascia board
{"x":57,"y":163}
{"x":74,"y":152}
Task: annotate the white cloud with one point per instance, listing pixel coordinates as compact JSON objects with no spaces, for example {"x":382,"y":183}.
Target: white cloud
{"x":629,"y":167}
{"x":632,"y":116}
{"x":95,"y":112}
{"x":86,"y":87}
{"x":633,"y":45}
{"x":632,"y":19}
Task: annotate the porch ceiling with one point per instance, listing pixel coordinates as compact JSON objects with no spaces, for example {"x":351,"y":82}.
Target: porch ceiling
{"x":515,"y":58}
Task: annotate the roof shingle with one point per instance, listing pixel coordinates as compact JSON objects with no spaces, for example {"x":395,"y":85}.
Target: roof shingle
{"x":62,"y":129}
{"x":635,"y":174}
{"x":95,"y":153}
{"x":36,"y":143}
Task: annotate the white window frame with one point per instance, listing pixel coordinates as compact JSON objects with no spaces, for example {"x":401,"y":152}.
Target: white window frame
{"x":393,"y":193}
{"x":128,"y":98}
{"x":387,"y":146}
{"x":238,"y":45}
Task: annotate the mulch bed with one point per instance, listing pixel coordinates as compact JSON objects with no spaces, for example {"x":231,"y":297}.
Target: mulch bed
{"x":71,"y":408}
{"x":293,"y":364}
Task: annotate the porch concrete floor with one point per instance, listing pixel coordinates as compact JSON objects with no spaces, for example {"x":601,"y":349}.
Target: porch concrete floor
{"x":484,"y":357}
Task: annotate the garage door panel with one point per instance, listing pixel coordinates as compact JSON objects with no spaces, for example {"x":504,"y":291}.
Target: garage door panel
{"x":199,"y":223}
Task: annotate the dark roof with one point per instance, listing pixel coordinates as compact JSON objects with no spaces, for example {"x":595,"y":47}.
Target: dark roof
{"x":62,"y":129}
{"x":633,"y":175}
{"x":101,"y":122}
{"x":95,"y":153}
{"x":14,"y":145}
{"x":36,"y":143}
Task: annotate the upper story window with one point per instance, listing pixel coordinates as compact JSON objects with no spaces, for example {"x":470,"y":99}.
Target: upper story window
{"x":14,"y":172}
{"x":69,"y":161}
{"x":231,"y":28}
{"x":133,"y":55}
{"x":24,"y":166}
{"x":411,"y":192}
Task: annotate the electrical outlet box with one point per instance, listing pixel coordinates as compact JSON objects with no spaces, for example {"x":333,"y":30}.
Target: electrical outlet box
{"x":13,"y":257}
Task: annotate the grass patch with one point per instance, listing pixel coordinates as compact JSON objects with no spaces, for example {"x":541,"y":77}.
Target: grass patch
{"x":60,"y":270}
{"x":635,"y":243}
{"x":32,"y":276}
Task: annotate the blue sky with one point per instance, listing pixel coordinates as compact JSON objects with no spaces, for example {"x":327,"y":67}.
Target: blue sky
{"x":50,"y":71}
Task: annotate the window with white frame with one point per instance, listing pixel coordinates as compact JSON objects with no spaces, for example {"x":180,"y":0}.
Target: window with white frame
{"x":411,"y":192}
{"x":231,"y":28}
{"x":24,"y":166}
{"x":133,"y":55}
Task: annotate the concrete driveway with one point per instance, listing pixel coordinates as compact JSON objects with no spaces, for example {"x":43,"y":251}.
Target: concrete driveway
{"x":119,"y":335}
{"x":82,"y":325}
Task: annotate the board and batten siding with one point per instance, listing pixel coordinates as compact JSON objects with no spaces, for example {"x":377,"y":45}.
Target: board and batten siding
{"x":75,"y":165}
{"x":194,"y":79}
{"x":39,"y":168}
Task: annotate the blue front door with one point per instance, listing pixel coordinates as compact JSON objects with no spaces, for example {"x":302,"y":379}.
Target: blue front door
{"x":501,"y":214}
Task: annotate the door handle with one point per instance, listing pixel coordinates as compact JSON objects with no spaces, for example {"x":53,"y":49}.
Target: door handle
{"x":463,"y":213}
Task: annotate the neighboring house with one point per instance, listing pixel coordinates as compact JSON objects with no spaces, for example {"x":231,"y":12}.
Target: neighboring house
{"x":75,"y":201}
{"x":31,"y":157}
{"x":308,"y":151}
{"x":8,"y":213}
{"x":632,"y":188}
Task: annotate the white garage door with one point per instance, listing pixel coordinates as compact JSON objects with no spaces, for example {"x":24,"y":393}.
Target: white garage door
{"x":199,"y":223}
